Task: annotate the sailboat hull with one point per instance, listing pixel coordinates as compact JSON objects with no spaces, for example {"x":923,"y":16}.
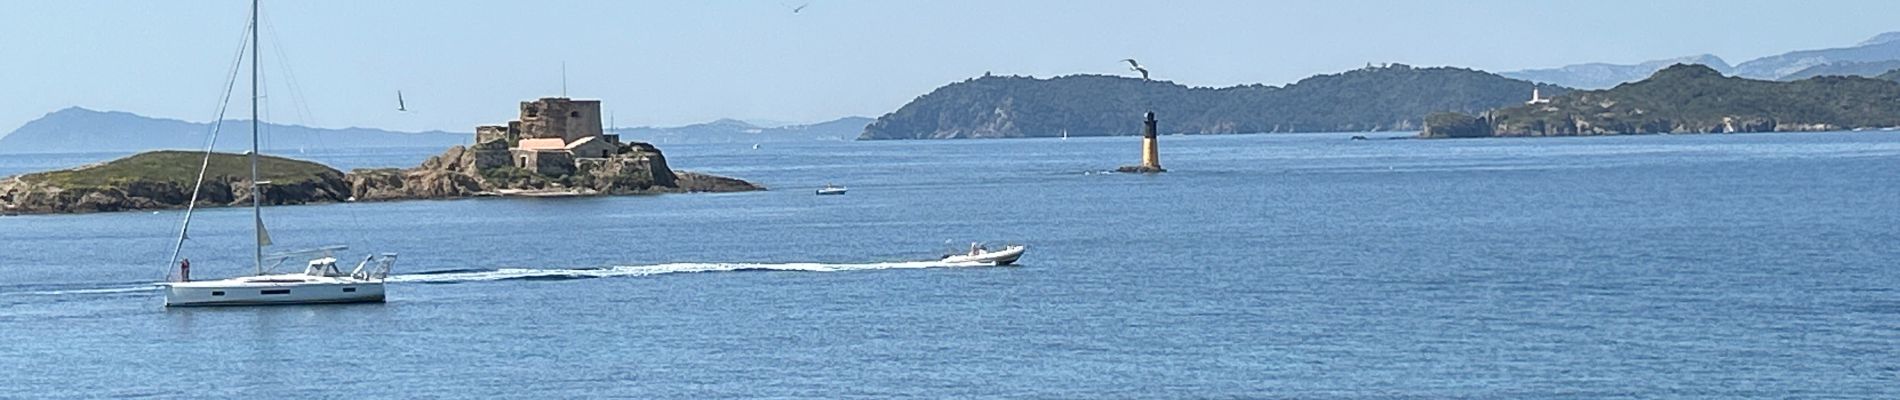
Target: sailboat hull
{"x":321,"y":282}
{"x":223,"y":293}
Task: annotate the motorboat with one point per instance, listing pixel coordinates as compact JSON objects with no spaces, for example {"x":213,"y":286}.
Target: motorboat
{"x":830,"y":190}
{"x":982,"y":254}
{"x":321,"y":282}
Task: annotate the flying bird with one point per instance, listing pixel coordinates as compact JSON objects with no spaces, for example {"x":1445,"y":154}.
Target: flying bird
{"x":399,"y":104}
{"x":801,"y":7}
{"x":1135,"y":66}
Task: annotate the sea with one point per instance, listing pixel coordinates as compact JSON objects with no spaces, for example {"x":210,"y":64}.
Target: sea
{"x":1259,"y":266}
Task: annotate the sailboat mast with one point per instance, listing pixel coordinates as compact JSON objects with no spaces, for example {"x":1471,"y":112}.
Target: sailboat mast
{"x":257,"y":211}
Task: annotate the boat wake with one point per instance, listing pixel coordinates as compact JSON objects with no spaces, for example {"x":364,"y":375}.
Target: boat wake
{"x":478,"y":275}
{"x":104,"y":290}
{"x":12,"y":295}
{"x":450,"y":276}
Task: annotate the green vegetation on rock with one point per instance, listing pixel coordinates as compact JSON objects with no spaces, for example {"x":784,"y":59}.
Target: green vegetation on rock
{"x":1695,"y":99}
{"x":1455,"y":125}
{"x":181,"y":167}
{"x":164,"y":179}
{"x":1893,"y":75}
{"x":1395,"y":97}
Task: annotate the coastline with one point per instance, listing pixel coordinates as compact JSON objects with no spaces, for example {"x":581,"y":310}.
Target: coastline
{"x":76,"y":190}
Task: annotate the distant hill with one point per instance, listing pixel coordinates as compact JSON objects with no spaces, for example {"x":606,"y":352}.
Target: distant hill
{"x":1884,"y":47}
{"x":1870,"y":57}
{"x":736,"y":131}
{"x":1604,"y":75}
{"x":1396,"y":97}
{"x":81,"y":130}
{"x":1692,"y":99}
{"x":1845,"y":68}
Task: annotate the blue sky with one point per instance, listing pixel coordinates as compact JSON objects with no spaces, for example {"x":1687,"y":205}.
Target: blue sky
{"x":463,"y":63}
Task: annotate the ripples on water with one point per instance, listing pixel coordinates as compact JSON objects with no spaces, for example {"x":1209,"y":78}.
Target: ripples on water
{"x":1304,"y":266}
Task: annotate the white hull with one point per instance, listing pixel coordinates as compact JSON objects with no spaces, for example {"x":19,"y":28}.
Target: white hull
{"x":830,"y":191}
{"x":1006,"y":256}
{"x":285,"y":289}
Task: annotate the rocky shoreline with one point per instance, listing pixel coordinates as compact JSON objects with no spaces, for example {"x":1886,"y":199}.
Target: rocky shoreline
{"x":1689,"y":99}
{"x":639,"y":168}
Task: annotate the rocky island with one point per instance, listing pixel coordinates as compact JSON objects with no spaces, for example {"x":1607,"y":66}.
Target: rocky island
{"x":1690,"y":99}
{"x":633,"y":168}
{"x":555,"y":149}
{"x":163,"y":179}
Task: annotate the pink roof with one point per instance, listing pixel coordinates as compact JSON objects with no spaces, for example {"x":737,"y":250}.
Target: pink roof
{"x":542,"y":144}
{"x":578,"y":143}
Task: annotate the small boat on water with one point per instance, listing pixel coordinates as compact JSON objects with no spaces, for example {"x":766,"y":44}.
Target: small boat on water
{"x":982,"y":254}
{"x":830,"y":189}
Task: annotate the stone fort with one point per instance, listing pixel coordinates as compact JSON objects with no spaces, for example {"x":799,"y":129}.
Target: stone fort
{"x":554,"y":136}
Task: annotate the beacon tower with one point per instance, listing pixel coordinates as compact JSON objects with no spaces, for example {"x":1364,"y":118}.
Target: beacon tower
{"x":1150,"y":149}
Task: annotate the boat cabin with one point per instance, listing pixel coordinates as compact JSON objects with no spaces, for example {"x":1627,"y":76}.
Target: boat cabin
{"x":322,"y":266}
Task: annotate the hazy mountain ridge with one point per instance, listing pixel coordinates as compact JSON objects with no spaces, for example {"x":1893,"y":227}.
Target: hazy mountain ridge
{"x":727,"y":130}
{"x":77,"y":129}
{"x":1605,"y":75}
{"x":1862,"y":59}
{"x":1846,"y":68}
{"x":1880,"y":48}
{"x":1396,"y":97}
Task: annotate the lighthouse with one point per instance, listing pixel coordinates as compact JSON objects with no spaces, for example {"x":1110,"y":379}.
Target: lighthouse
{"x":1150,"y":149}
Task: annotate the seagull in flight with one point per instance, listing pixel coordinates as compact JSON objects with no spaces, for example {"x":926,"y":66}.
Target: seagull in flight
{"x":1135,"y":66}
{"x":801,"y":7}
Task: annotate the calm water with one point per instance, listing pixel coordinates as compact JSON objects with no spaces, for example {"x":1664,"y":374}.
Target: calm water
{"x":1303,"y":266}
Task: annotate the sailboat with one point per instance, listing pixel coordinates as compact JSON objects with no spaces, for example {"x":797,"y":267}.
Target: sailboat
{"x":321,"y":282}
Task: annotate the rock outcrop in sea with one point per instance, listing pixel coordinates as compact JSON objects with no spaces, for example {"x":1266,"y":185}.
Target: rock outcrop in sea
{"x":639,"y":168}
{"x":163,"y":179}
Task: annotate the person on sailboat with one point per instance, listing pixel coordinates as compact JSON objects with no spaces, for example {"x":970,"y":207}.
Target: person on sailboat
{"x":184,"y":270}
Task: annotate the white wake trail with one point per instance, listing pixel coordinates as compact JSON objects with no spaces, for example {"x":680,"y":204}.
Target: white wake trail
{"x":110,"y":290}
{"x":661,"y":269}
{"x":575,"y":273}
